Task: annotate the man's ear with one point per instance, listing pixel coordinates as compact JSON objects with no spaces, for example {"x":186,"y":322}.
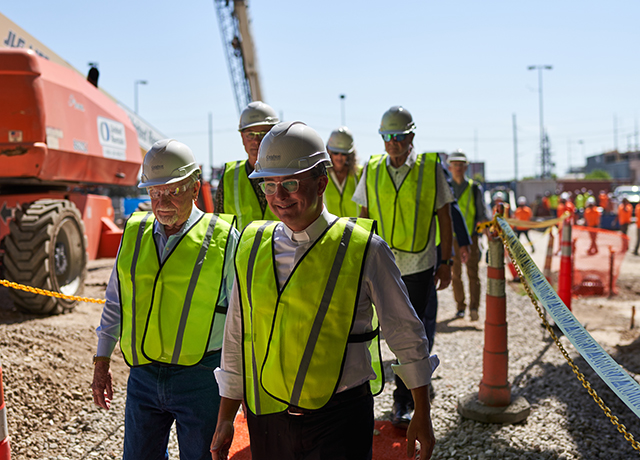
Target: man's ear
{"x":322,"y":184}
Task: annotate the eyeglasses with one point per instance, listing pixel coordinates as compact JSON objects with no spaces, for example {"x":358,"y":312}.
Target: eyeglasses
{"x":395,"y":137}
{"x":339,"y":153}
{"x":255,"y":134}
{"x":157,"y":193}
{"x":269,"y":187}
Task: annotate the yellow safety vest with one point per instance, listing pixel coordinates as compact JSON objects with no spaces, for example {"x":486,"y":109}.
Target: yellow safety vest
{"x":338,"y":203}
{"x":240,"y":197}
{"x":467,"y":204}
{"x":169,"y":311}
{"x":295,"y":340}
{"x":405,"y":215}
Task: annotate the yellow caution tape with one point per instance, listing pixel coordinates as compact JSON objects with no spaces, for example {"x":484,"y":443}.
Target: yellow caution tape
{"x":541,"y":292}
{"x":57,"y":295}
{"x":523,"y":223}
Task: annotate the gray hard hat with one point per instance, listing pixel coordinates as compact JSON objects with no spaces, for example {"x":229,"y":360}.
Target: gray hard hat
{"x":257,"y":113}
{"x":458,"y":155}
{"x":290,"y":148}
{"x":168,"y":162}
{"x":341,"y":140}
{"x":397,"y":120}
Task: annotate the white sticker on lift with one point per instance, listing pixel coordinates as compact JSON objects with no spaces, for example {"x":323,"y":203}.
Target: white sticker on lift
{"x":112,"y":138}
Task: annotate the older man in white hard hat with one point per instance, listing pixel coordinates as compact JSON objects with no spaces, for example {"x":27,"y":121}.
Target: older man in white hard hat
{"x":301,"y":337}
{"x":237,"y":194}
{"x":165,"y":303}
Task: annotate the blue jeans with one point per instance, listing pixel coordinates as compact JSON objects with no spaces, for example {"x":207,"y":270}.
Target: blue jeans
{"x":157,"y":395}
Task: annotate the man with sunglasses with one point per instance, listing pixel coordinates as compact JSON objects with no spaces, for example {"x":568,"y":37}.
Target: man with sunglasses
{"x":301,"y":341}
{"x":404,"y":192}
{"x":237,"y":194}
{"x":166,"y":304}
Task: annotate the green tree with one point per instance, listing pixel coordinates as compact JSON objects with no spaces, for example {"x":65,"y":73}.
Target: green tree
{"x":598,"y":174}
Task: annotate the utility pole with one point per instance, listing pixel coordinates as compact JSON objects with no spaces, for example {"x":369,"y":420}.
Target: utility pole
{"x":545,"y":153}
{"x":615,"y":132}
{"x":211,"y":145}
{"x":515,"y":146}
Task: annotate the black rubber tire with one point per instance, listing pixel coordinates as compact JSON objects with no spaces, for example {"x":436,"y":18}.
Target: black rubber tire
{"x":46,"y":248}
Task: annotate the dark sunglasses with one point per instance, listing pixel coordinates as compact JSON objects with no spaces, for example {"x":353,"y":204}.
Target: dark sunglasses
{"x":339,"y":153}
{"x":394,"y":137}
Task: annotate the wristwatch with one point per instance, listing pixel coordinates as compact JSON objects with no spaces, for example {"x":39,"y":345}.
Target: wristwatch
{"x":97,"y":358}
{"x":446,"y":262}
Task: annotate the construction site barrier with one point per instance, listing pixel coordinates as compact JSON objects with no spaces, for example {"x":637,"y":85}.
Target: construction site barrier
{"x":621,"y":383}
{"x":494,"y":387}
{"x":565,"y":279}
{"x":5,"y":449}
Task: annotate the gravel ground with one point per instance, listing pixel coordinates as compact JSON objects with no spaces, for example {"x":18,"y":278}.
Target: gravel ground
{"x":47,"y":372}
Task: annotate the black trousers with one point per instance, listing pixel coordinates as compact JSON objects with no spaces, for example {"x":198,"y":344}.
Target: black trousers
{"x":420,"y":287}
{"x":341,"y":430}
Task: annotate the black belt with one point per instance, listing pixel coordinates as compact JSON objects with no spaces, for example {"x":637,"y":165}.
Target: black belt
{"x":336,"y":399}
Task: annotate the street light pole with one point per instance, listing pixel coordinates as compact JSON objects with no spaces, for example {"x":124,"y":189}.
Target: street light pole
{"x":135,"y":93}
{"x":544,"y":149}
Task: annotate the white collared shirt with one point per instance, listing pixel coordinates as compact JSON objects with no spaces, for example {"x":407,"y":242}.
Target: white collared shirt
{"x":381,"y":285}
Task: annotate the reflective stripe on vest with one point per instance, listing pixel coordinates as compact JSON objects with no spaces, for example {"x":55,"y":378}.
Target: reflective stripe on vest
{"x":406,"y":223}
{"x":467,"y":204}
{"x":295,"y":340}
{"x":240,"y":197}
{"x":168,"y":316}
{"x":341,"y":204}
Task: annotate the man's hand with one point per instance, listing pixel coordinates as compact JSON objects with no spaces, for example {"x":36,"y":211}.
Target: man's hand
{"x":102,"y":385}
{"x":221,"y":441}
{"x":420,"y":429}
{"x":464,"y":254}
{"x":223,"y":436}
{"x":442,"y":279}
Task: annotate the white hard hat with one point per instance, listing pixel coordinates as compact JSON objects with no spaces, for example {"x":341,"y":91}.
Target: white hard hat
{"x":257,"y":113}
{"x":591,"y":200}
{"x":458,"y":155}
{"x":341,"y":140}
{"x":564,"y":196}
{"x":397,"y":120}
{"x":168,"y":162}
{"x":289,"y":148}
{"x":499,"y":196}
{"x":521,"y":200}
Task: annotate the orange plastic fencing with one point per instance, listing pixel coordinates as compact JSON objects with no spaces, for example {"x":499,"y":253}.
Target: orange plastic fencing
{"x":597,"y":258}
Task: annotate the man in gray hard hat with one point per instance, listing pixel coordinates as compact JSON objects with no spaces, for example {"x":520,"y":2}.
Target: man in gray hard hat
{"x":469,"y":195}
{"x":405,"y":191}
{"x":166,"y":304}
{"x":237,"y":194}
{"x":301,"y":345}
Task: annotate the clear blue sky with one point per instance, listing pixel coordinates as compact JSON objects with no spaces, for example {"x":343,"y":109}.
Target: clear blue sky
{"x":460,"y":67}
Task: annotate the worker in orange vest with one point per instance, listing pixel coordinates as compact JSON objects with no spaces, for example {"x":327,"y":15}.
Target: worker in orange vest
{"x":501,"y":205}
{"x":635,"y":252}
{"x":523,"y":212}
{"x":566,"y":205}
{"x":625,"y":210}
{"x":603,"y":201}
{"x":592,"y":218}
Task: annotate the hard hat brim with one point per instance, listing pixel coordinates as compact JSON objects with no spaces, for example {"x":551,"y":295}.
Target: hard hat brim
{"x":276,"y":172}
{"x":167,"y":180}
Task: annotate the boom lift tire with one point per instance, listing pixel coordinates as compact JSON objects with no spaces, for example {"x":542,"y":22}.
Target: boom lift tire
{"x":46,"y":248}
